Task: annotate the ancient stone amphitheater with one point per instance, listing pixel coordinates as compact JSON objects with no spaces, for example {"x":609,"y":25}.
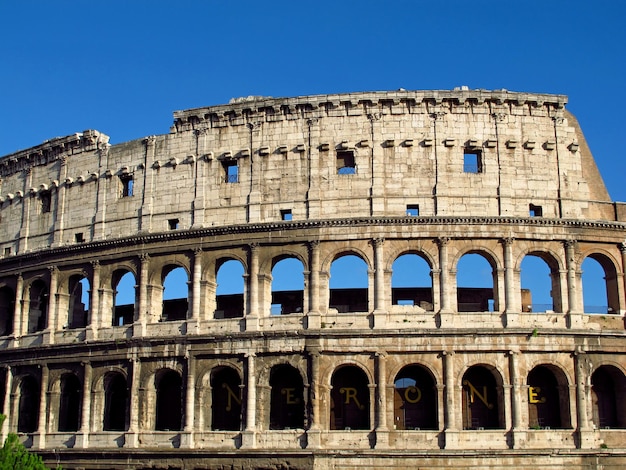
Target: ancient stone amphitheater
{"x":143,"y":325}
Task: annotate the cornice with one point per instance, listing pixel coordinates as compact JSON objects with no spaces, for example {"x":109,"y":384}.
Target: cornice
{"x":144,"y":240}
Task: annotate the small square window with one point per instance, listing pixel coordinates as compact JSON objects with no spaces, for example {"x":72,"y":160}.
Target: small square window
{"x":535,"y":211}
{"x":413,"y":210}
{"x":173,"y":224}
{"x":46,"y":201}
{"x":7,"y":251}
{"x":79,"y":238}
{"x":345,"y":162}
{"x":127,"y":185}
{"x":285,"y":214}
{"x":231,"y":171}
{"x":472,"y":161}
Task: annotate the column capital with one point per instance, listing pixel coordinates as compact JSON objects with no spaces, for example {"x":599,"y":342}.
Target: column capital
{"x":571,"y":243}
{"x":313,"y":245}
{"x":622,"y":247}
{"x":95,"y":264}
{"x":507,"y":241}
{"x":253,"y":247}
{"x":442,"y":241}
{"x":144,"y":257}
{"x":378,"y":241}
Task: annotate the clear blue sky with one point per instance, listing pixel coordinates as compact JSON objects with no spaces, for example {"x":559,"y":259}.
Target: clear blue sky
{"x":122,"y":67}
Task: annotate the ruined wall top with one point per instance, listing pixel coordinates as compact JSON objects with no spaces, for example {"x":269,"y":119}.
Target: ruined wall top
{"x":459,"y":100}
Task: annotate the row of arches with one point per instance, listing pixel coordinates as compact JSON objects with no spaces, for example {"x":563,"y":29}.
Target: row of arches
{"x":220,"y":404}
{"x":285,"y":289}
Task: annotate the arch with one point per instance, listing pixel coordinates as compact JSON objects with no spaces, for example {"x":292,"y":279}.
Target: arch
{"x":608,"y":386}
{"x":124,"y":285}
{"x":79,"y":301}
{"x":348,"y":283}
{"x":115,"y":402}
{"x":28,"y":406}
{"x":37,"y":306}
{"x":599,"y":283}
{"x":482,"y":398}
{"x":7,"y":309}
{"x":415,"y":399}
{"x":540,"y":283}
{"x":287,"y":286}
{"x":548,"y":398}
{"x":169,"y":400}
{"x":411,"y":281}
{"x":69,"y":403}
{"x":349,"y":399}
{"x":175,"y":293}
{"x":229,"y":293}
{"x":476,"y":279}
{"x":225,"y":399}
{"x":287,"y":398}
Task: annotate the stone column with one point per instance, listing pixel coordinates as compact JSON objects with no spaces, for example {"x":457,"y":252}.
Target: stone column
{"x":313,"y":316}
{"x":94,"y":309}
{"x":132,"y":439}
{"x":573,"y":295}
{"x":252,"y":317}
{"x":53,"y":319}
{"x":249,"y":434}
{"x":190,"y":402}
{"x":510,"y":307}
{"x":516,"y":393}
{"x":451,"y":424}
{"x":446,"y":310}
{"x":622,"y":306}
{"x":139,"y":329}
{"x":21,"y":325}
{"x":379,"y":276}
{"x":382,"y":431}
{"x":85,"y":426}
{"x":314,"y":419}
{"x":195,"y":287}
{"x":6,"y":408}
{"x":585,"y":431}
{"x":43,"y":407}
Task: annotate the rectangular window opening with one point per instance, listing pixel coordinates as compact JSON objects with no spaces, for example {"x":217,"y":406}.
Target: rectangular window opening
{"x":472,"y":161}
{"x":173,"y":224}
{"x":79,"y":238}
{"x":127,"y":185}
{"x":46,"y":202}
{"x":7,"y":251}
{"x":231,"y":171}
{"x":285,"y":214}
{"x":345,"y":162}
{"x":412,"y":210}
{"x":535,"y":211}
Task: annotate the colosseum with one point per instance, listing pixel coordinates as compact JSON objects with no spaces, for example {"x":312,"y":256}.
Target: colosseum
{"x":143,"y":324}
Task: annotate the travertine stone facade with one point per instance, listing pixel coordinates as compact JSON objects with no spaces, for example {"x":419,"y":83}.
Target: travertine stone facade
{"x":432,"y":375}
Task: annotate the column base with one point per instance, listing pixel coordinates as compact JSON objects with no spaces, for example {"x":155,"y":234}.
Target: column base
{"x":382,"y":439}
{"x":252,"y":323}
{"x":131,"y":439}
{"x":313,"y":439}
{"x":248,"y":439}
{"x":586,"y":439}
{"x":575,"y":320}
{"x":379,"y":319}
{"x":313,"y":321}
{"x":452,"y":439}
{"x":519,"y":438}
{"x":186,"y":440}
{"x":512,"y":320}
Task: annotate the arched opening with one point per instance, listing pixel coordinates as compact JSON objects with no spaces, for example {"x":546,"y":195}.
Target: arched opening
{"x":349,"y":284}
{"x":475,"y":280}
{"x":169,"y":403}
{"x":226,"y":399}
{"x":287,"y":287}
{"x":115,"y":402}
{"x":287,"y":398}
{"x":38,"y":306}
{"x":124,"y":304}
{"x":349,"y":399}
{"x":175,"y":293}
{"x":28,"y":405}
{"x":546,"y":398}
{"x":608,"y":386}
{"x":7,"y":308}
{"x":79,"y":291}
{"x":69,"y":404}
{"x":414,"y":399}
{"x":230,"y":288}
{"x":411,"y":282}
{"x":481,"y":398}
{"x":599,"y":279}
{"x":540,"y":285}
